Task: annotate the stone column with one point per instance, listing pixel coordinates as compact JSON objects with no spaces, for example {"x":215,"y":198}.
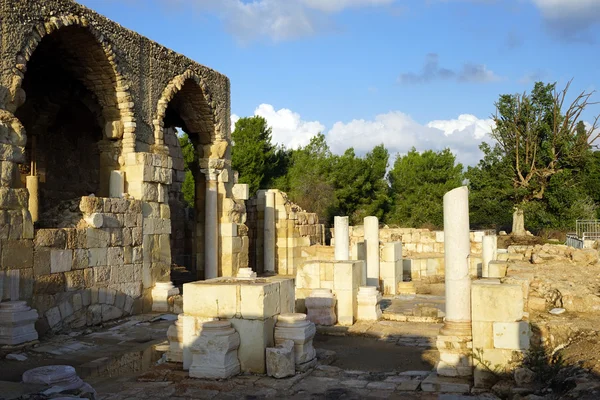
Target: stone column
{"x":116,"y":184}
{"x":342,"y":239}
{"x":269,"y":238}
{"x":211,"y":226}
{"x":371,"y":226}
{"x":490,"y":247}
{"x":32,"y":183}
{"x":457,"y":248}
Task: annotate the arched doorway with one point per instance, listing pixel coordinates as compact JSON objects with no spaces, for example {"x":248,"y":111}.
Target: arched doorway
{"x":186,"y":113}
{"x":71,"y":116}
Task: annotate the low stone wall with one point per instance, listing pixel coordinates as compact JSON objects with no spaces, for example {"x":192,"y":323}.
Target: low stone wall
{"x":87,"y":275}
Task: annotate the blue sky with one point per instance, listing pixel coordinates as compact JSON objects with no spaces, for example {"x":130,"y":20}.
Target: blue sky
{"x":422,"y":73}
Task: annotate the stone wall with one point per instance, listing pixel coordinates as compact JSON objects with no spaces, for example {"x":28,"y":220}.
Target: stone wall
{"x":105,"y":196}
{"x":296,"y":230}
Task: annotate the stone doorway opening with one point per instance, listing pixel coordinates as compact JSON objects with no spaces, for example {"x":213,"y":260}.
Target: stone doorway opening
{"x":187,"y":128}
{"x":70,"y":113}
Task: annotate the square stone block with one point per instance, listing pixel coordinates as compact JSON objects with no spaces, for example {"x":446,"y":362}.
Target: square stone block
{"x":483,"y":335}
{"x":255,"y":337}
{"x":308,"y":276}
{"x":497,"y":269}
{"x":347,"y":275}
{"x":259,"y":300}
{"x":512,"y":335}
{"x":436,"y":383}
{"x":61,"y":260}
{"x":346,"y":307}
{"x":391,"y":252}
{"x":210,"y":298}
{"x":496,"y":303}
{"x":287,"y":293}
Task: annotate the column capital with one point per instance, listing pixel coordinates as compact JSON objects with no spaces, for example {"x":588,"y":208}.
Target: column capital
{"x":211,"y":174}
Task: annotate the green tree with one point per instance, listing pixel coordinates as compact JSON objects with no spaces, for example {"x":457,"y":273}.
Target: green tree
{"x":309,"y":177}
{"x":253,"y":153}
{"x":190,"y":164}
{"x":542,"y":138}
{"x":418,"y":183}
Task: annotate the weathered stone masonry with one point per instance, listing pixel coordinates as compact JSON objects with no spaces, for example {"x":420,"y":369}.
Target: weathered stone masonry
{"x":85,"y":102}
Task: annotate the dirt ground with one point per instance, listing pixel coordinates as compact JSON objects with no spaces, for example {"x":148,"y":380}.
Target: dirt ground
{"x":369,"y":354}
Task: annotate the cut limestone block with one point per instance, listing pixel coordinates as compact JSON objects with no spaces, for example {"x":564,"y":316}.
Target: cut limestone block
{"x":368,"y":300}
{"x":512,"y":335}
{"x":17,"y":323}
{"x":320,"y":306}
{"x":496,"y":303}
{"x":160,"y":295}
{"x":281,"y":360}
{"x":497,"y":269}
{"x":435,"y":383}
{"x":215,"y":351}
{"x":255,"y":336}
{"x":295,"y":327}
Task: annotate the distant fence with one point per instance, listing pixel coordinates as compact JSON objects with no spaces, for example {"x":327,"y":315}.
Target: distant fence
{"x":587,"y":231}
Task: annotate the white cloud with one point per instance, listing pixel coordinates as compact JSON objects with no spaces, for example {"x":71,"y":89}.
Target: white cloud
{"x":279,"y":20}
{"x":288,"y":128}
{"x":570,"y":19}
{"x":396,"y":130}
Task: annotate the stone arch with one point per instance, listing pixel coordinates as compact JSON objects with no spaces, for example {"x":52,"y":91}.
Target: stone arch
{"x":104,"y":76}
{"x":185,"y":104}
{"x":190,"y":95}
{"x":75,"y":105}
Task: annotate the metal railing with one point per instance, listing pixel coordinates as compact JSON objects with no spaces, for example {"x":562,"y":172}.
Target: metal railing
{"x":588,"y":228}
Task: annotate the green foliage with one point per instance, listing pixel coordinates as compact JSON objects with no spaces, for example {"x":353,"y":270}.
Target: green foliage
{"x":418,"y":183}
{"x":253,"y":154}
{"x":190,"y":164}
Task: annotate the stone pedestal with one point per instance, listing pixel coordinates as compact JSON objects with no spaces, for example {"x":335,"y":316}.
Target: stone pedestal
{"x":269,"y":233}
{"x":454,"y":342}
{"x":490,"y":247}
{"x":371,"y":225}
{"x":211,"y":226}
{"x":390,"y":267}
{"x":320,"y":307}
{"x":214,"y":355}
{"x":296,"y":328}
{"x":368,"y":300}
{"x":342,"y":239}
{"x":160,"y":295}
{"x":17,"y":323}
{"x":246,"y":273}
{"x":281,"y":360}
{"x":175,"y":337}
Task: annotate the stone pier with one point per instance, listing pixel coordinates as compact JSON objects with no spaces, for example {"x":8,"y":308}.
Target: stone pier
{"x":269,"y":238}
{"x":455,"y":340}
{"x":211,"y":234}
{"x":372,"y":244}
{"x":342,"y":239}
{"x":490,"y":248}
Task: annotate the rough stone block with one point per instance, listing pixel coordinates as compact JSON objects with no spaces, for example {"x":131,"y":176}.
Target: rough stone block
{"x":114,"y":256}
{"x":280,"y":360}
{"x":497,"y":269}
{"x":496,"y":303}
{"x":97,"y":238}
{"x":61,"y":260}
{"x":41,"y":261}
{"x":74,"y":280}
{"x":97,"y":257}
{"x":435,"y":383}
{"x":56,"y":238}
{"x":17,"y":254}
{"x":512,"y":335}
{"x":80,"y":258}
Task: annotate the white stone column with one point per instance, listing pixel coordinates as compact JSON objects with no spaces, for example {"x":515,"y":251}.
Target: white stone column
{"x":116,"y":184}
{"x":490,"y":247}
{"x":457,"y":248}
{"x":342,"y":239}
{"x":211,"y":226}
{"x":371,"y":226}
{"x":269,"y":238}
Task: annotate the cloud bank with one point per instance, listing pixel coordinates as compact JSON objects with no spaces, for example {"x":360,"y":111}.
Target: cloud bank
{"x":396,"y":130}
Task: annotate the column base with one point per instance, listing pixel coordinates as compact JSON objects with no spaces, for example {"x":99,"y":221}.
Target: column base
{"x":455,"y":344}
